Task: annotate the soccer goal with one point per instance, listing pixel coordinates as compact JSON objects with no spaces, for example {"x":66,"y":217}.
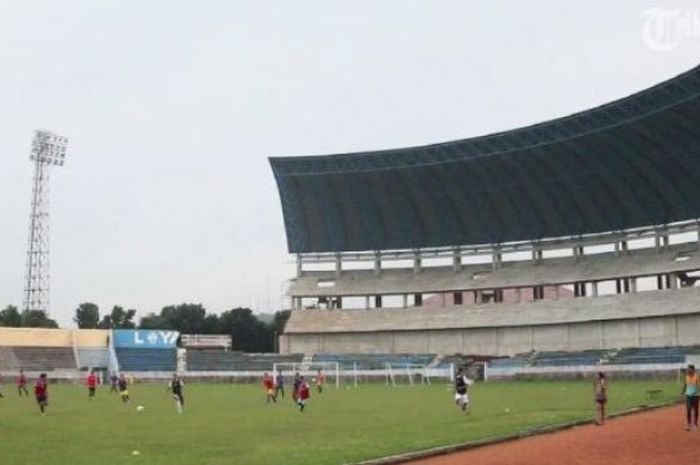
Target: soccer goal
{"x":407,"y":372}
{"x":309,"y":370}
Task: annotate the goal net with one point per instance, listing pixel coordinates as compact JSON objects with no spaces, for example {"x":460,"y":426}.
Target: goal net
{"x":407,"y":373}
{"x":310,"y":371}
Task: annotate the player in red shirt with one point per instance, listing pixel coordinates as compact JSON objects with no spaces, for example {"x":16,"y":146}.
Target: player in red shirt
{"x":303,"y":394}
{"x":269,"y":387}
{"x":41,"y":392}
{"x":22,"y":384}
{"x":92,"y":382}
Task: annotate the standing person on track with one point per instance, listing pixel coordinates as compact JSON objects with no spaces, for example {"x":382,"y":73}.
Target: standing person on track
{"x":304,"y":394}
{"x":691,"y":389}
{"x":279,"y":385}
{"x":320,"y":380}
{"x":600,"y":395}
{"x":41,"y":393}
{"x":91,"y":385}
{"x":269,"y":388}
{"x":175,"y":386}
{"x":22,"y":384}
{"x":461,"y":390}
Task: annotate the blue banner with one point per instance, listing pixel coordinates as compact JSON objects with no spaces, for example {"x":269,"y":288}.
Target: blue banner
{"x":145,"y":338}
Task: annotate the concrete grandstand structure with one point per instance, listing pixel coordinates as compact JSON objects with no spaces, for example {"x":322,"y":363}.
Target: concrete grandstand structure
{"x":580,"y":233}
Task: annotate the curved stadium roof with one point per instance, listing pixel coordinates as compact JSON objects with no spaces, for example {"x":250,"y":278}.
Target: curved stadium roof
{"x":630,"y":163}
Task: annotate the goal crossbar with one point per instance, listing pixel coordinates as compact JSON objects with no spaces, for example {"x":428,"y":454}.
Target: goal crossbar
{"x":309,"y":369}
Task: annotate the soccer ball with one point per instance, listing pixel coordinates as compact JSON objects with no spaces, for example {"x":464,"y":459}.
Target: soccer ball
{"x":507,"y":410}
{"x":135,"y":452}
{"x":140,"y":408}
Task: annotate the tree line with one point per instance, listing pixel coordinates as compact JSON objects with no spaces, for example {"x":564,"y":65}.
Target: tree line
{"x":247,"y":331}
{"x":11,"y":317}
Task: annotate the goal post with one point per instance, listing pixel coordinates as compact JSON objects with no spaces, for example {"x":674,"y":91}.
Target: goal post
{"x":413,"y":373}
{"x":309,"y":369}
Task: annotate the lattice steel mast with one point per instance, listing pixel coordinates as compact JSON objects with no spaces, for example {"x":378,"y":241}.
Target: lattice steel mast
{"x":47,"y":149}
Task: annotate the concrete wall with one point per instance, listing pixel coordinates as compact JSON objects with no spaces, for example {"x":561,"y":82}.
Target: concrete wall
{"x":91,"y":337}
{"x":658,"y":331}
{"x":32,"y":337}
{"x":40,"y":337}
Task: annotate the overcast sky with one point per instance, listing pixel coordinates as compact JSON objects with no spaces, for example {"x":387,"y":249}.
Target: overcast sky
{"x":172,"y":108}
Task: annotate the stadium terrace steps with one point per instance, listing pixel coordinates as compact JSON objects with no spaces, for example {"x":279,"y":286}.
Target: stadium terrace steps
{"x":511,"y":274}
{"x":222,"y":360}
{"x":460,"y":360}
{"x":93,"y":357}
{"x":147,"y":359}
{"x":651,"y":355}
{"x":656,"y":355}
{"x":7,"y":359}
{"x":43,"y":358}
{"x":544,"y":312}
{"x":375,"y":361}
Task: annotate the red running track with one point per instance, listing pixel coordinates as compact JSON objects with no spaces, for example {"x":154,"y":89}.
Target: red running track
{"x":656,"y":437}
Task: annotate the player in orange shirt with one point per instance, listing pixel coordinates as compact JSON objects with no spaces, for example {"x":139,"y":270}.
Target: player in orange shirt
{"x":320,"y":380}
{"x":269,"y":387}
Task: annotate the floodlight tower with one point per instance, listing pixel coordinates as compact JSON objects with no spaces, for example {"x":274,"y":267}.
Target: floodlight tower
{"x":47,"y":149}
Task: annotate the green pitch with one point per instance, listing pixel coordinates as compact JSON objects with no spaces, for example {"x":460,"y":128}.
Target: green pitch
{"x":225,"y":424}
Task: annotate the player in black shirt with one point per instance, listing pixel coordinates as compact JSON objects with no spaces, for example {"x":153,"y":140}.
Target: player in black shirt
{"x":175,"y":386}
{"x":123,"y":386}
{"x":462,"y":390}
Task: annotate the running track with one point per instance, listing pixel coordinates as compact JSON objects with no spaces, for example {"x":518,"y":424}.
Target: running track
{"x":648,"y":438}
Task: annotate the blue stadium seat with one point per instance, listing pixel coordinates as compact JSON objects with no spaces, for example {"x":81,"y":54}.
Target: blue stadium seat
{"x":147,"y":359}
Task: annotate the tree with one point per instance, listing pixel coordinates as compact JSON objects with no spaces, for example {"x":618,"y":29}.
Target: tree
{"x":153,"y":321}
{"x":247,"y":332}
{"x":186,"y":318}
{"x":280,"y":321}
{"x":37,"y":319}
{"x":212,"y":324}
{"x":10,"y":317}
{"x":87,"y":315}
{"x":118,"y":319}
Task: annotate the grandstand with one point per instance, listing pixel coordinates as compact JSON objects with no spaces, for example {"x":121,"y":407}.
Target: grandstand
{"x":36,"y":350}
{"x":67,"y":352}
{"x":376,"y":361}
{"x":576,"y":235}
{"x":220,"y":360}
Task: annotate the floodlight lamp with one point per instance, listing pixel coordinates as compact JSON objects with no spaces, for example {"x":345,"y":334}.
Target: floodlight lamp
{"x":48,"y":148}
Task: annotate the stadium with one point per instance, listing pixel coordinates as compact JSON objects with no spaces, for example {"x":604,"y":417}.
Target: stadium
{"x":534,"y":258}
{"x":572,"y":242}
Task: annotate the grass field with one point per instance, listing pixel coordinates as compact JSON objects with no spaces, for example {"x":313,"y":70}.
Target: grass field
{"x":226,"y":424}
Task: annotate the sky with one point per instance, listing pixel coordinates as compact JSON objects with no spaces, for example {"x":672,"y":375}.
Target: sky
{"x":172,"y":108}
